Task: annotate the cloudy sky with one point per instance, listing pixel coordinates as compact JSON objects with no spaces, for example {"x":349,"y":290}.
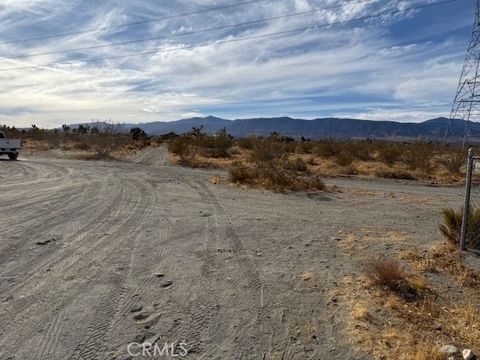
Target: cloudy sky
{"x":371,"y":59}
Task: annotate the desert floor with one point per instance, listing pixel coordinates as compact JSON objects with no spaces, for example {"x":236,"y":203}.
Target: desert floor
{"x":96,"y":255}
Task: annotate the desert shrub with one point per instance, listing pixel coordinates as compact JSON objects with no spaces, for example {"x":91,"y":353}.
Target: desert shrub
{"x":327,"y":148}
{"x":289,"y":147}
{"x":389,"y":153}
{"x":273,"y":177}
{"x":106,"y":140}
{"x":394,"y":174}
{"x":453,"y":161}
{"x":266,"y":152}
{"x":269,"y":167}
{"x":269,"y":177}
{"x":183,"y":146}
{"x":103,"y":149}
{"x":54,"y":142}
{"x":451,"y":225}
{"x":215,"y":146}
{"x":310,"y":183}
{"x":310,"y":161}
{"x":297,"y":165}
{"x":349,"y":170}
{"x":418,"y":156}
{"x":145,"y":143}
{"x":247,"y":143}
{"x":390,"y":274}
{"x":169,"y":136}
{"x":344,"y":158}
{"x":280,"y":179}
{"x":188,"y":146}
{"x":239,"y":173}
{"x":360,"y":150}
{"x":82,"y":146}
{"x":305,"y":147}
{"x":138,"y":134}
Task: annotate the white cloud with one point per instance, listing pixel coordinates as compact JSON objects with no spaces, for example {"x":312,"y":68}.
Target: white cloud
{"x":271,"y":75}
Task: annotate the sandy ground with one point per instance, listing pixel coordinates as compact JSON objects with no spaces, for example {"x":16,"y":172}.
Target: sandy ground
{"x":97,"y":255}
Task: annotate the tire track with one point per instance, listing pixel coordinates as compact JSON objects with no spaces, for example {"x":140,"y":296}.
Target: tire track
{"x":93,"y":344}
{"x":257,"y":299}
{"x":46,"y":257}
{"x":125,"y":228}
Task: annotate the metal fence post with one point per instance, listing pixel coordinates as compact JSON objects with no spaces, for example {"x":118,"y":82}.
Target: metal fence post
{"x":466,"y":207}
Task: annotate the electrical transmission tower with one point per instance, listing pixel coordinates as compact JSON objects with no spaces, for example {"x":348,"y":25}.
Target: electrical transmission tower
{"x":466,"y":106}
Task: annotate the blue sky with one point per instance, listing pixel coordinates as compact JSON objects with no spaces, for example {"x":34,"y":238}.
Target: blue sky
{"x":401,"y":66}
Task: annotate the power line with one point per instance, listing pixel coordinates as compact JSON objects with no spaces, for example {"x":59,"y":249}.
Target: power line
{"x":193,"y":32}
{"x":158,"y":51}
{"x":140,"y":22}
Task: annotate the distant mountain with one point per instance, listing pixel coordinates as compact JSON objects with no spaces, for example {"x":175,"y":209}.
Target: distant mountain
{"x":433,"y":129}
{"x":210,"y":124}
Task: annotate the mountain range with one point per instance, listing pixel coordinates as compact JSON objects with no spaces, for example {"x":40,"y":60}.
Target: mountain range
{"x":433,"y":129}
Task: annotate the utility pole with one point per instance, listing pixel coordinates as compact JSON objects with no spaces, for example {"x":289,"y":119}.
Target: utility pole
{"x":466,"y":106}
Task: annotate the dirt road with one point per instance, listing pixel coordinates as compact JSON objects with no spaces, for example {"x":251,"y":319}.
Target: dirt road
{"x":98,"y":255}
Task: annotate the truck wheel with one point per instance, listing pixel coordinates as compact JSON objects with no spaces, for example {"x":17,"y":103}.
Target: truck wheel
{"x":13,"y":156}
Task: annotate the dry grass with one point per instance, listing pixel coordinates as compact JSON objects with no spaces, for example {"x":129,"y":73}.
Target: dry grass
{"x":410,"y":307}
{"x":390,"y":275}
{"x":428,"y":352}
{"x":443,"y":258}
{"x":393,"y":326}
{"x":348,"y":242}
{"x":452,"y":224}
{"x":360,"y":312}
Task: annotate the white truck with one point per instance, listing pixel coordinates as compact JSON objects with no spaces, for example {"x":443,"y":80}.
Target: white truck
{"x":10,"y":147}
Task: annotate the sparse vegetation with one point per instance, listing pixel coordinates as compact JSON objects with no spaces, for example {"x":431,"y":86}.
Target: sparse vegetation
{"x":389,"y":154}
{"x":422,"y":161}
{"x":418,"y":325}
{"x":451,"y":225}
{"x":390,"y":274}
{"x":184,"y":148}
{"x":329,"y":157}
{"x":100,"y":141}
{"x":270,"y":167}
{"x":421,"y":300}
{"x":453,"y":161}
